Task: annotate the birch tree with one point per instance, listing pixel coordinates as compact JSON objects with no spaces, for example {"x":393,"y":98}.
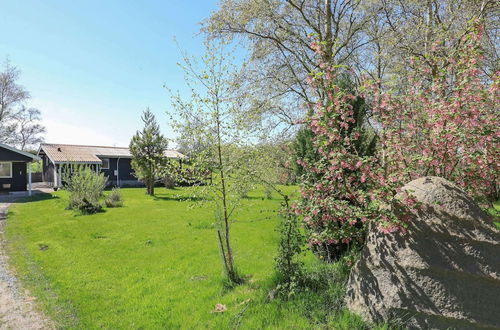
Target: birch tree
{"x":211,"y":115}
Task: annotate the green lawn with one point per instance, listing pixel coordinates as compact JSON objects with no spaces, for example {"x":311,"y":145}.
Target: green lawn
{"x":154,"y":263}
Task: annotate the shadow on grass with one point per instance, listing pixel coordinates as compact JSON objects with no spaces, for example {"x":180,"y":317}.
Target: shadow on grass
{"x":37,"y":197}
{"x":78,"y":213}
{"x":178,"y":198}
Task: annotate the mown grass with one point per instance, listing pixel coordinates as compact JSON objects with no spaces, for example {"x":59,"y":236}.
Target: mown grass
{"x":154,"y":264}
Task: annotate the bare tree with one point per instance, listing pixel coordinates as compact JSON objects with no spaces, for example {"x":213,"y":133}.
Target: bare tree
{"x":28,"y":129}
{"x":19,"y":125}
{"x":11,"y":93}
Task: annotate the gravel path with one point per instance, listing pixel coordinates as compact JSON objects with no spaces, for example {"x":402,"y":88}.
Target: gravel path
{"x":17,"y":307}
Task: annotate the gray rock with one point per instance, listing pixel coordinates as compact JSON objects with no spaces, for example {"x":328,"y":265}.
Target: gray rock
{"x":443,"y":274}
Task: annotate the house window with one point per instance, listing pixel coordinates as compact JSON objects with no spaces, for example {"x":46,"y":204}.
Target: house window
{"x":105,"y":164}
{"x":5,"y":170}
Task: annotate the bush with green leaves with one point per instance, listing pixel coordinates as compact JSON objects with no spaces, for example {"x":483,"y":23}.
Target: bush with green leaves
{"x":268,"y":191}
{"x":290,"y":247}
{"x":114,"y":199}
{"x":85,"y":188}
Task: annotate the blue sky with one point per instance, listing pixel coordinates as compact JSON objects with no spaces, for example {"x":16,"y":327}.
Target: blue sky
{"x":93,"y":66}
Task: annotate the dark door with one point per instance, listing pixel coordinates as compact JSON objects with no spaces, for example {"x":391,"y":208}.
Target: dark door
{"x":19,"y":177}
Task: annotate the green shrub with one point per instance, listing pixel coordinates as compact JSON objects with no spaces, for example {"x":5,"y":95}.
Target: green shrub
{"x":85,"y":188}
{"x":268,"y":191}
{"x":114,"y":199}
{"x":243,"y":187}
{"x":169,"y":182}
{"x":291,"y":243}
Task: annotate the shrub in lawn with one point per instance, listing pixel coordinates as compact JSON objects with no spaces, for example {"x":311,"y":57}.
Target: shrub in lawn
{"x":169,"y":182}
{"x":85,"y":188}
{"x":114,"y":199}
{"x":243,"y":187}
{"x":291,"y":243}
{"x":268,"y":191}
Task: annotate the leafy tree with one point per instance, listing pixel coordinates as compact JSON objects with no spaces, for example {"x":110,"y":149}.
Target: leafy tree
{"x":11,"y":93}
{"x":210,"y":115}
{"x":399,"y":30}
{"x":277,"y":35}
{"x":370,"y":36}
{"x":303,"y":146}
{"x":446,"y":122}
{"x":148,"y":152}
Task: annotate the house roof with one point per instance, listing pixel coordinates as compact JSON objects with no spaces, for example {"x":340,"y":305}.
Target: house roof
{"x":70,"y":153}
{"x":24,"y":153}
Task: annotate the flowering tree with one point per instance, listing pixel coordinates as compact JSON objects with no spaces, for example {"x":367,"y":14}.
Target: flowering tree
{"x":445,"y":122}
{"x":343,"y":188}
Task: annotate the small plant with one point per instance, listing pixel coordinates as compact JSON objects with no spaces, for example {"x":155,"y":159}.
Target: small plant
{"x":114,"y":198}
{"x":291,"y":243}
{"x":169,"y":182}
{"x":85,"y":188}
{"x":243,"y":187}
{"x":268,"y":191}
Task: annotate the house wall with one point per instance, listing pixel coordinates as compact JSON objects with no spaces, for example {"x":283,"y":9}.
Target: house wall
{"x":126,"y":172}
{"x":19,"y":181}
{"x":47,"y":169}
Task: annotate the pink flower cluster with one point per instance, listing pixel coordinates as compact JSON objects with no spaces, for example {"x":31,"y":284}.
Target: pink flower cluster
{"x":444,"y":122}
{"x":447,"y":121}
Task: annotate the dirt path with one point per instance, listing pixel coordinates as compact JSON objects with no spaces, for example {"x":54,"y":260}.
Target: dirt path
{"x":17,"y":306}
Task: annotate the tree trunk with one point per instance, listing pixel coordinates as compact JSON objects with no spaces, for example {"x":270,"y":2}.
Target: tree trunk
{"x":227,"y":251}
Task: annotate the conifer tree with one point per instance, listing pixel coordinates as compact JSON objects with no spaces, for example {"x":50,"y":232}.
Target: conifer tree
{"x":147,"y":148}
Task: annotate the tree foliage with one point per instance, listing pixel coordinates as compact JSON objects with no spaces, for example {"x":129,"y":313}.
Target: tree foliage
{"x":404,"y":29}
{"x":369,"y":36}
{"x":148,"y":152}
{"x":444,"y":123}
{"x":211,"y":116}
{"x":278,"y":35}
{"x":303,"y":147}
{"x":29,"y":129}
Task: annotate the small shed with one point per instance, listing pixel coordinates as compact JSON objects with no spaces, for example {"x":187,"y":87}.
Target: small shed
{"x":15,"y":172}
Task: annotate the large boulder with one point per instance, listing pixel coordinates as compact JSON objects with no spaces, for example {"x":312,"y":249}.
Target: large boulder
{"x":443,"y":274}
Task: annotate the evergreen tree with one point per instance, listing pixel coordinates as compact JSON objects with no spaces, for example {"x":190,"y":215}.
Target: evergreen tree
{"x":147,"y":148}
{"x":303,"y":148}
